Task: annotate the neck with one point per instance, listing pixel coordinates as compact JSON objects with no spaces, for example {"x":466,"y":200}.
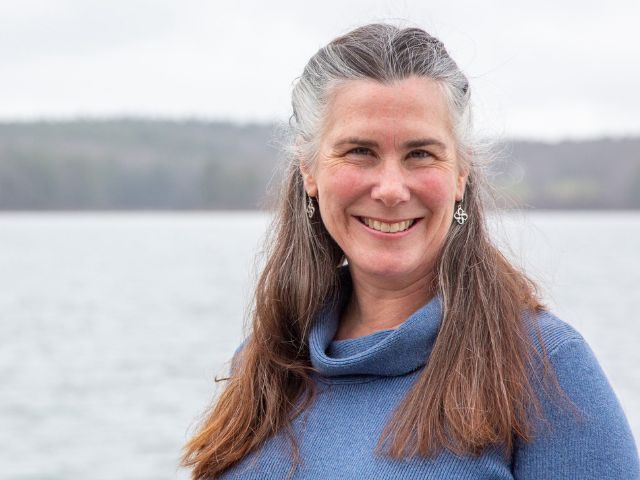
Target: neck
{"x":376,"y":305}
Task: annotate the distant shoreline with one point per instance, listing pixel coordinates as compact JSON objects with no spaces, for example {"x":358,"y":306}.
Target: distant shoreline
{"x":137,"y":164}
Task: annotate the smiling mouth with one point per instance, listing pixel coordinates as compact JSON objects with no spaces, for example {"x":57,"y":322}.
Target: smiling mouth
{"x":384,"y":227}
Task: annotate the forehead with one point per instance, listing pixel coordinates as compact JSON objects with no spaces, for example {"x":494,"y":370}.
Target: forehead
{"x":415,"y":106}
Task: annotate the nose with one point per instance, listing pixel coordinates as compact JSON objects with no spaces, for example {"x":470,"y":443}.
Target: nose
{"x":390,"y":186}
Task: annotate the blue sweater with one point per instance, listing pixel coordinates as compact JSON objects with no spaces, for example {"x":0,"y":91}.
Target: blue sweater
{"x":361,"y":381}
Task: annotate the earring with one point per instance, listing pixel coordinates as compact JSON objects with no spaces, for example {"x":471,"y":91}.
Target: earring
{"x":460,"y":216}
{"x":310,"y":209}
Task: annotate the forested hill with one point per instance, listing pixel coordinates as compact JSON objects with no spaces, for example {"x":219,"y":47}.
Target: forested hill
{"x":129,"y":164}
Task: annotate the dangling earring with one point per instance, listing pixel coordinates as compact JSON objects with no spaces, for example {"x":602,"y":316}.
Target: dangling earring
{"x":460,"y":216}
{"x":310,"y":209}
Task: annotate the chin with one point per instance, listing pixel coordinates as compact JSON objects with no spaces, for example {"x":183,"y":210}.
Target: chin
{"x":390,"y":269}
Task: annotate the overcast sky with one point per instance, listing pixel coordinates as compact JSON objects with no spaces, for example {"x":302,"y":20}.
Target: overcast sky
{"x":539,"y":69}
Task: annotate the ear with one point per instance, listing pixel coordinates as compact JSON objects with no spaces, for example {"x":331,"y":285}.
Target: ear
{"x":309,"y":181}
{"x":461,"y":182}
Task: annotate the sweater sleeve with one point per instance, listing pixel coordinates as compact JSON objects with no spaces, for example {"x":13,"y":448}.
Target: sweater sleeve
{"x":592,"y":442}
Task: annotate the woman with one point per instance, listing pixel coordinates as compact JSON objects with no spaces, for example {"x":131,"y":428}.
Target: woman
{"x":390,"y":338}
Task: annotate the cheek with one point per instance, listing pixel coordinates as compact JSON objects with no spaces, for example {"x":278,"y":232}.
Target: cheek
{"x":436,"y":190}
{"x":341,"y":186}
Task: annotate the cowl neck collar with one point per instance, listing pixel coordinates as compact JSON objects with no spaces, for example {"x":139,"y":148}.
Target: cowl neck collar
{"x":383,"y":353}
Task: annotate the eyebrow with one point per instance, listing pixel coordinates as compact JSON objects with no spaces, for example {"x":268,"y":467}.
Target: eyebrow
{"x":417,"y":143}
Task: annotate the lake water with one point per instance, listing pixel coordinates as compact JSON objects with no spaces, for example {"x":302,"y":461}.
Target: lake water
{"x":114,"y":325}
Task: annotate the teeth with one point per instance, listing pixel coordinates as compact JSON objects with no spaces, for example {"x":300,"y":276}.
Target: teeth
{"x":387,"y":227}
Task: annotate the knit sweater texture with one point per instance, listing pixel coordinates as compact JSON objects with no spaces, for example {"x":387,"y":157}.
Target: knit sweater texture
{"x":361,"y":381}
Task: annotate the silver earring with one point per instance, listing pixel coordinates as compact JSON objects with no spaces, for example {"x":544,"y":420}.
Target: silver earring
{"x":311,"y":209}
{"x":460,"y":216}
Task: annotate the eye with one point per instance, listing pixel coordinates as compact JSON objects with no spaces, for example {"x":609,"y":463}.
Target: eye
{"x":360,"y":151}
{"x":420,"y":154}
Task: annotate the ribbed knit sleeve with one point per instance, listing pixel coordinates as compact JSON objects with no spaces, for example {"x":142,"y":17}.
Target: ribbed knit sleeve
{"x":593,"y":442}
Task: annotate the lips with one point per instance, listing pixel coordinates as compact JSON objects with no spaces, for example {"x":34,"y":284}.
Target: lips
{"x":388,"y":226}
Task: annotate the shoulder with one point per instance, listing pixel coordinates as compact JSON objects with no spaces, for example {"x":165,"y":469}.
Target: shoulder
{"x":549,"y":333}
{"x":236,"y":358}
{"x":578,"y":372}
{"x":588,"y":437}
{"x":574,"y":363}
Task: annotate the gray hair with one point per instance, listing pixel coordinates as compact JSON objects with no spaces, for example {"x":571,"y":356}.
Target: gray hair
{"x":381,"y":52}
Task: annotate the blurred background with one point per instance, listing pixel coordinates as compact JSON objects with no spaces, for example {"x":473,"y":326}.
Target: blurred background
{"x":138,"y":157}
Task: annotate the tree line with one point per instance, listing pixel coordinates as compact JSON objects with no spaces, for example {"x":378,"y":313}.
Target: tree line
{"x":146,"y":164}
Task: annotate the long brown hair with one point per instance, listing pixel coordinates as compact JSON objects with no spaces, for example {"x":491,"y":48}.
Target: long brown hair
{"x":477,"y":388}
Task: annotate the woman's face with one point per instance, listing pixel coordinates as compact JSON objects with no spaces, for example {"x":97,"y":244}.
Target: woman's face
{"x":387,"y":176}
